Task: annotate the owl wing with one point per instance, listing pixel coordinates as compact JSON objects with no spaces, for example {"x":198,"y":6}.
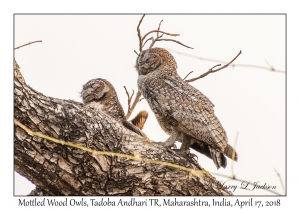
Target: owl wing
{"x":192,"y":110}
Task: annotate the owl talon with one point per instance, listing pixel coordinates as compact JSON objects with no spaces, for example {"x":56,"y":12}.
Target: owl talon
{"x":188,"y":154}
{"x":173,"y":147}
{"x":193,"y":157}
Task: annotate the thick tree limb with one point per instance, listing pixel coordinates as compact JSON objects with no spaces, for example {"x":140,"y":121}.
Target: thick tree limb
{"x":60,"y":170}
{"x":38,"y":192}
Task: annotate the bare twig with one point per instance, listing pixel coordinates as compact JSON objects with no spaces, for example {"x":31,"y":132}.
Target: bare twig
{"x":270,"y":66}
{"x":139,"y":33}
{"x":157,"y":36}
{"x":135,"y":102}
{"x":129,"y":98}
{"x":258,"y":67}
{"x":151,"y":38}
{"x":233,"y":65}
{"x":278,"y":174}
{"x":135,"y":52}
{"x":153,"y":31}
{"x":172,"y":40}
{"x":132,"y":95}
{"x":27,"y":44}
{"x":211,"y":70}
{"x":187,"y":75}
{"x":142,"y":41}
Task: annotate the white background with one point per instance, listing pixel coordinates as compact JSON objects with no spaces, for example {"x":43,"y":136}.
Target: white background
{"x":251,"y":101}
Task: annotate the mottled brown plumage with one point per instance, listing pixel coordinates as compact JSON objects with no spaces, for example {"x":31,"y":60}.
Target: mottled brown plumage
{"x":140,"y":119}
{"x":182,"y":111}
{"x":100,"y":94}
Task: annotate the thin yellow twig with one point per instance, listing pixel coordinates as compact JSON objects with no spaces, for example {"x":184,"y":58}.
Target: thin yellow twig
{"x":27,"y":44}
{"x":94,"y":152}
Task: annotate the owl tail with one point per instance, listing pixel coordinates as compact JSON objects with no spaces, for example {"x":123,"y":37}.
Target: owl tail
{"x":230,"y":152}
{"x":140,"y":119}
{"x":218,"y":158}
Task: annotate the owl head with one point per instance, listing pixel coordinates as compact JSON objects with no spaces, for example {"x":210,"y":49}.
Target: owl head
{"x":95,"y":90}
{"x":155,"y":59}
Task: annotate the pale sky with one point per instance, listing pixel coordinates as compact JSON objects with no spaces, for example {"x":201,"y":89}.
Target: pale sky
{"x":251,"y":101}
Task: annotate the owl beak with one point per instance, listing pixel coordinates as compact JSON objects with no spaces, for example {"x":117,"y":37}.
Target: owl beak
{"x":144,"y":69}
{"x":88,"y":96}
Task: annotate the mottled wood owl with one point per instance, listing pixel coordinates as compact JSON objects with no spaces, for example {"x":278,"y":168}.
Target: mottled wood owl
{"x":182,"y":111}
{"x":100,"y":94}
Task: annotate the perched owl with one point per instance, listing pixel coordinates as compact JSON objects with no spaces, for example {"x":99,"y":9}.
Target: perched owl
{"x":182,"y":111}
{"x":100,"y":94}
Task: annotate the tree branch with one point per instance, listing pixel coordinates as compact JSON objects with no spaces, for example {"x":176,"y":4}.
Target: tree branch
{"x":132,"y":107}
{"x":27,"y":44}
{"x":158,"y":31}
{"x":211,"y":70}
{"x":142,"y":41}
{"x":139,"y":34}
{"x":270,"y":68}
{"x":172,"y":40}
{"x":129,"y":98}
{"x":188,"y":75}
{"x":62,"y":170}
{"x":150,"y":38}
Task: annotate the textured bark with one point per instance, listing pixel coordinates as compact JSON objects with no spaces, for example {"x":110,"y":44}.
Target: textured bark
{"x":38,"y":192}
{"x":61,"y":170}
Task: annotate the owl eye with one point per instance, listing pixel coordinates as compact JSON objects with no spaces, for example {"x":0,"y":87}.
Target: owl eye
{"x":150,"y":59}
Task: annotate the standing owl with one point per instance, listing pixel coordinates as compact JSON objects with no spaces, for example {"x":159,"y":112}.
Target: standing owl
{"x":182,"y":111}
{"x":100,"y":94}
